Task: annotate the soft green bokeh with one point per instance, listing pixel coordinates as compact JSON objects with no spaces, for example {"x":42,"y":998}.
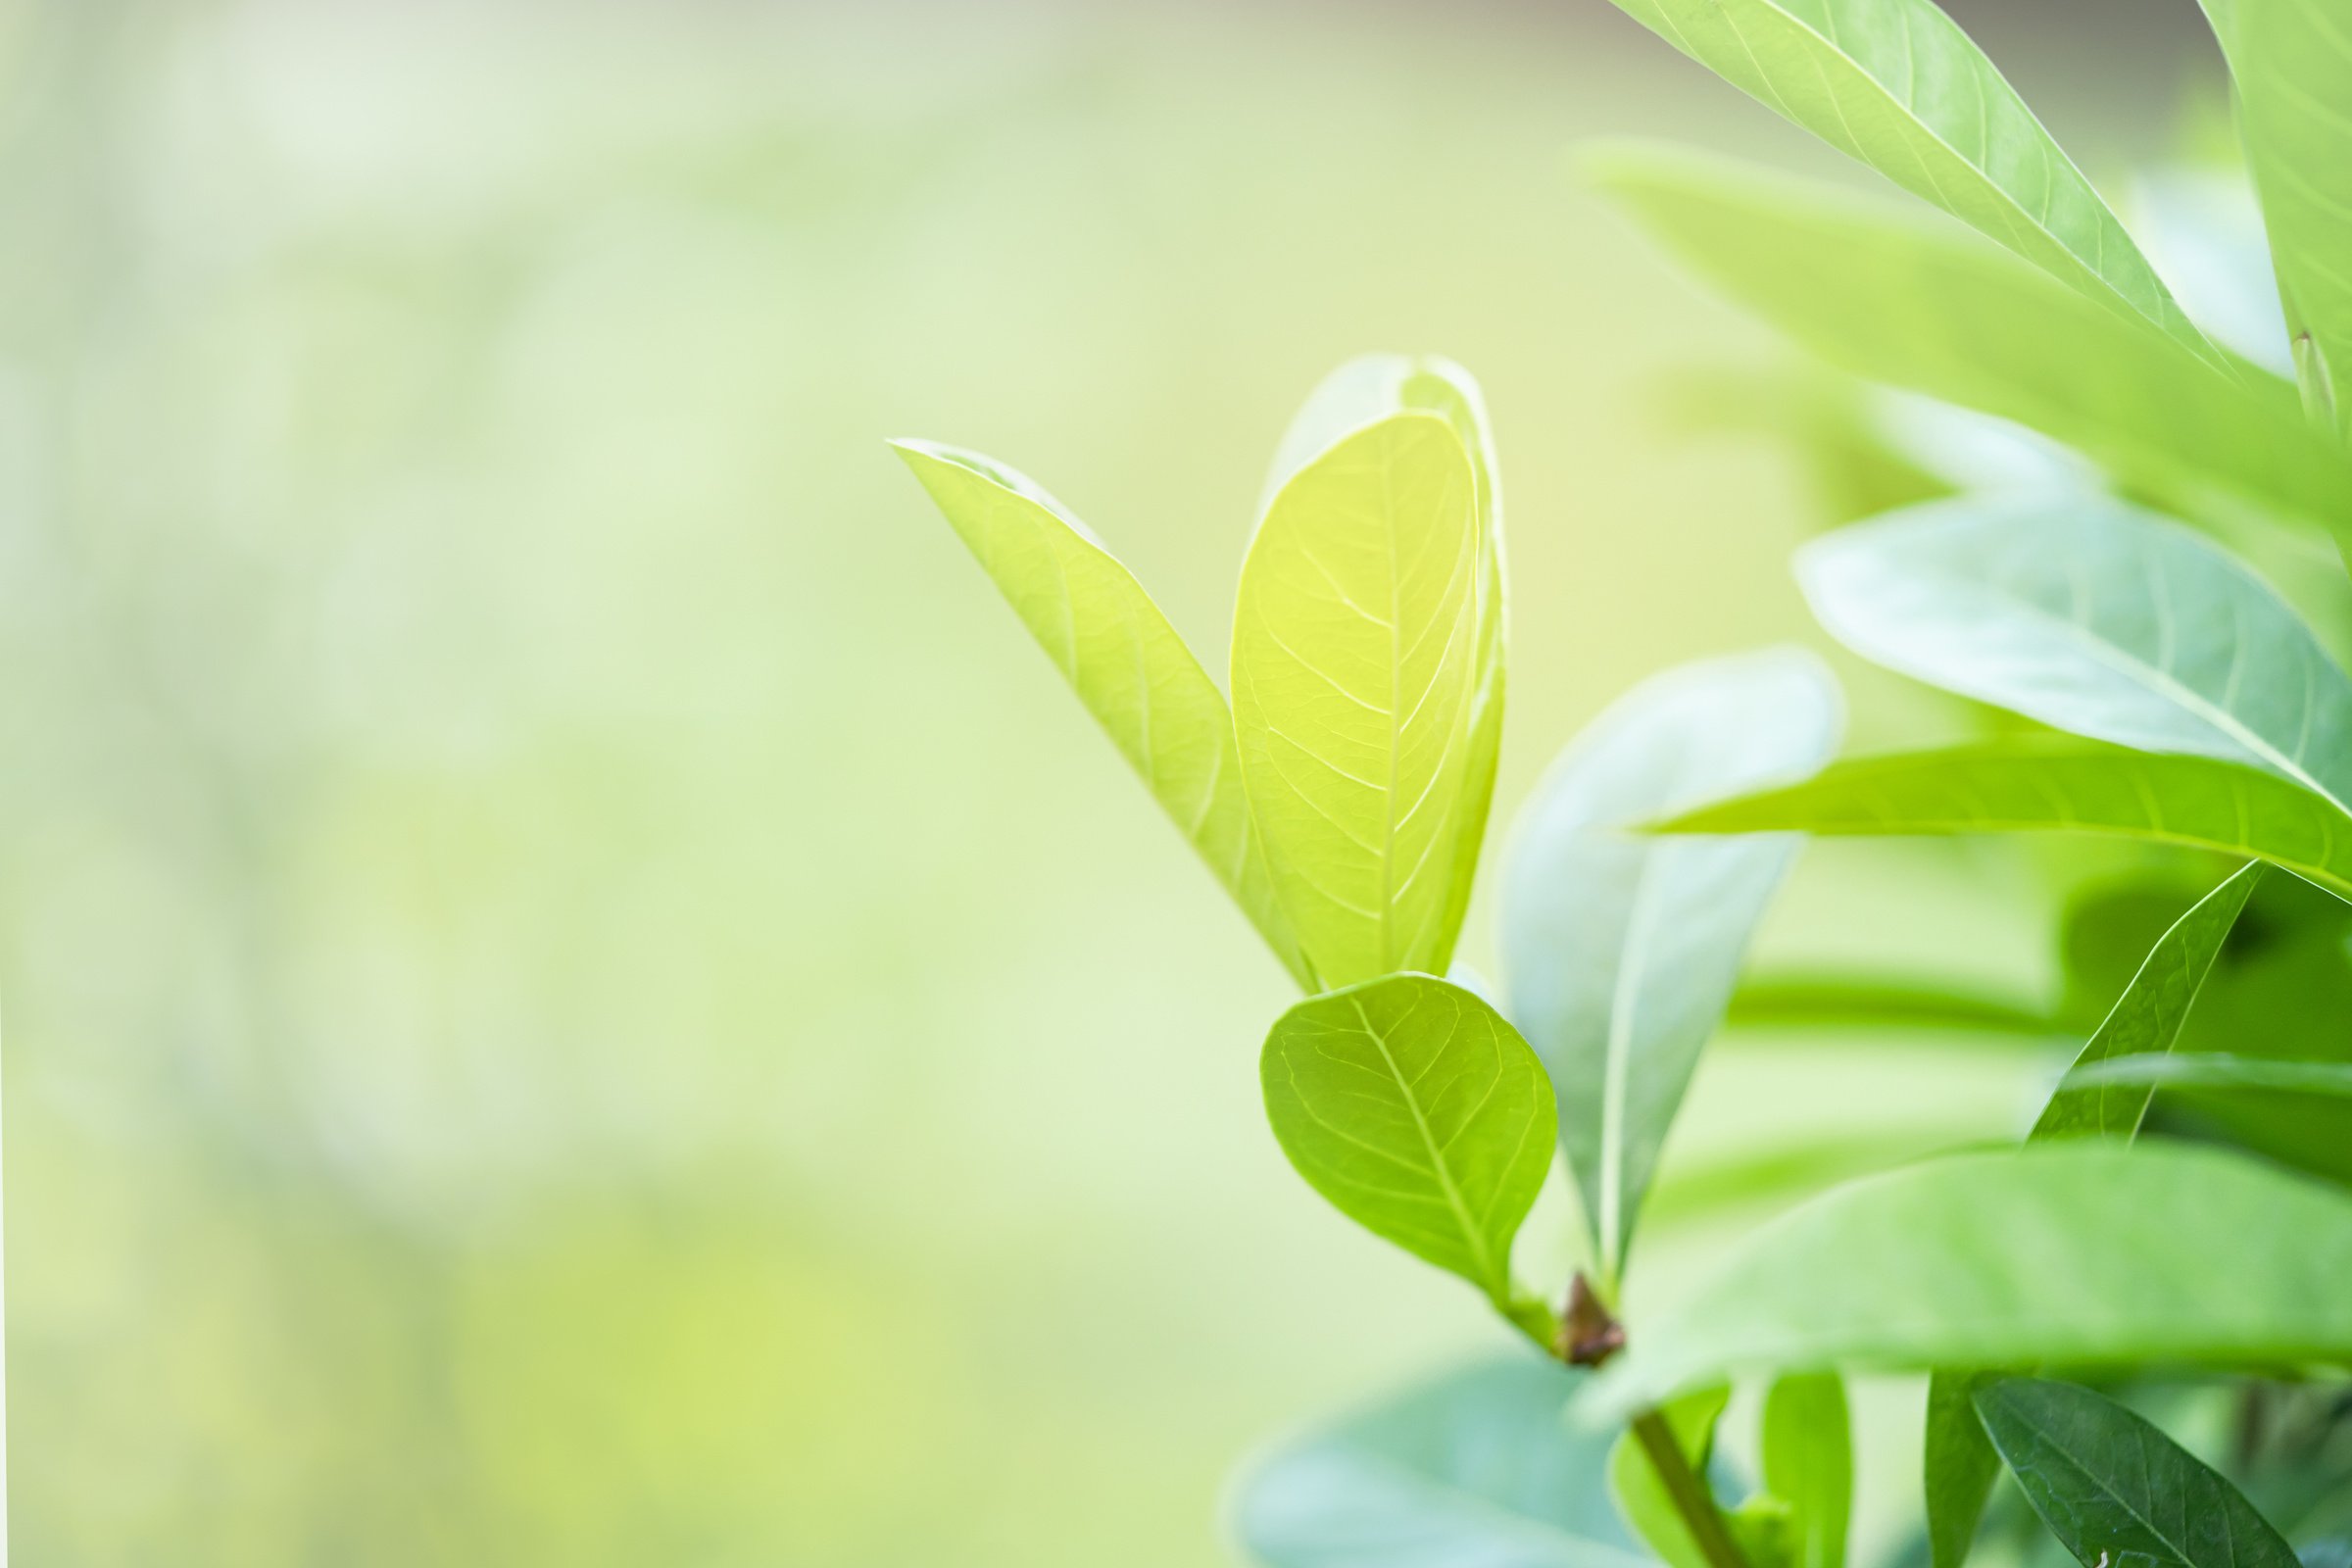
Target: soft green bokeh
{"x":577,"y":991}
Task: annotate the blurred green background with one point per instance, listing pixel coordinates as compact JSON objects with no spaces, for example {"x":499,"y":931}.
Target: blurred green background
{"x":576,"y":993}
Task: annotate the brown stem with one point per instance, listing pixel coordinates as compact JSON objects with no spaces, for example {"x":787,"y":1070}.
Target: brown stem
{"x":1689,"y":1490}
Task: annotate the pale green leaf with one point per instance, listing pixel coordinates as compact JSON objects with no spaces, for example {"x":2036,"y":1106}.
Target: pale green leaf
{"x":1808,"y":1452}
{"x":1878,"y":1002}
{"x":2079,"y":1252}
{"x":1475,"y":1470}
{"x":1896,"y":85}
{"x":1961,"y":1468}
{"x":1122,"y":658}
{"x":2203,"y":227}
{"x":2147,"y":1018}
{"x":2092,"y":616}
{"x":1361,"y":392}
{"x":2219,"y":1073}
{"x":1621,"y":950}
{"x":1642,"y":1500}
{"x":2292,"y":62}
{"x":1894,"y":299}
{"x":2115,"y":1490}
{"x":2029,"y":784}
{"x":1355,"y":690}
{"x":1419,"y":1113}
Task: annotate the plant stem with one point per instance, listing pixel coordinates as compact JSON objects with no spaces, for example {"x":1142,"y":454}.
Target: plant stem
{"x":1688,"y":1492}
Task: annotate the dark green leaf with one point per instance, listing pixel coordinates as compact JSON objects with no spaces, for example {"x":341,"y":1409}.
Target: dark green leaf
{"x":1961,"y":1468}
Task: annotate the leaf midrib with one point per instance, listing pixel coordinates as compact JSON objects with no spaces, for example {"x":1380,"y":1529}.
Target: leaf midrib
{"x":1437,"y":1155}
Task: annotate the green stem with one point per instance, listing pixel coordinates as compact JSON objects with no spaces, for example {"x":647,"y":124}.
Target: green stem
{"x":1687,"y":1491}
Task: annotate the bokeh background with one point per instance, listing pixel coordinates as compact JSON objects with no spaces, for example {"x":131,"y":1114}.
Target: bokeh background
{"x":576,"y":993}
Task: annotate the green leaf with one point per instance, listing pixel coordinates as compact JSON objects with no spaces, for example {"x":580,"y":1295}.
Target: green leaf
{"x":2147,"y":1018}
{"x":2095,"y":617}
{"x":2078,"y":1252}
{"x":2113,"y":1489}
{"x":1356,"y":691}
{"x":2292,"y":62}
{"x":1961,"y":1468}
{"x":1372,"y":388}
{"x":2028,"y":784}
{"x":1642,"y":1500}
{"x":1894,"y":300}
{"x":1810,"y":1463}
{"x":1873,"y":1001}
{"x":1419,"y":1113}
{"x":1122,"y":658}
{"x":2214,"y":1072}
{"x":1474,"y":1468}
{"x":1896,"y":85}
{"x":1622,"y":949}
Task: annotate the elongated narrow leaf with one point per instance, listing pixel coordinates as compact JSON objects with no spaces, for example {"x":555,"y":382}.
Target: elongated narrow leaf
{"x":2292,"y":61}
{"x":2113,"y":1489}
{"x":1122,"y":658}
{"x":1878,"y":1002}
{"x":1475,"y":1470}
{"x":1642,"y":1500}
{"x":2092,"y":616}
{"x":2031,"y":785}
{"x":1896,"y":85}
{"x":1420,"y":1115}
{"x":1894,"y":300}
{"x":1961,"y":1468}
{"x":1355,"y":685}
{"x":2213,"y":1073}
{"x":2148,"y":1015}
{"x":1809,"y":1464}
{"x":1621,"y":948}
{"x":1372,"y":388}
{"x":2077,"y":1253}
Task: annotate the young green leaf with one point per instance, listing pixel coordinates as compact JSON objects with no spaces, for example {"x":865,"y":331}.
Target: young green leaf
{"x":2091,"y":616}
{"x":1809,"y":1464}
{"x":1371,"y":388}
{"x":1894,"y":300}
{"x":1355,"y":684}
{"x":2292,"y":62}
{"x":1642,"y":1500}
{"x":1875,"y":1002}
{"x":2113,"y":1489}
{"x":2147,"y":1018}
{"x":2028,"y":784}
{"x":2213,"y":1073}
{"x":1124,"y":661}
{"x":1476,"y":1467}
{"x":2074,"y":1253}
{"x":1961,"y":1468}
{"x":1420,"y":1115}
{"x":1898,"y":85}
{"x":1621,"y":950}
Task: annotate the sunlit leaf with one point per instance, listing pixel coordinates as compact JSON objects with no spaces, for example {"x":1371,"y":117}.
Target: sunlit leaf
{"x":1355,"y":694}
{"x":1121,"y":657}
{"x":1475,"y":1470}
{"x":1419,"y":1113}
{"x":2092,"y":616}
{"x":2292,"y":64}
{"x":2034,"y":785}
{"x":1808,"y":1453}
{"x":2078,"y":1252}
{"x":1898,"y":85}
{"x":1372,"y":388}
{"x":1876,"y":1001}
{"x":2113,"y":1489}
{"x":2203,"y":227}
{"x":1893,"y":299}
{"x":2216,"y":1073}
{"x":1642,"y":1500}
{"x":1961,"y":1467}
{"x":1622,"y":948}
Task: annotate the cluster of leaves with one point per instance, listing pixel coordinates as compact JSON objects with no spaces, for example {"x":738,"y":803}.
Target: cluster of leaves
{"x":2173,"y":697}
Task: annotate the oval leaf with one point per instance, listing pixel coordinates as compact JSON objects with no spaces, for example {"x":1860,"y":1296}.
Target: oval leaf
{"x":1420,"y":1115}
{"x":2095,"y":617}
{"x":2030,"y":785}
{"x":2113,"y":1489}
{"x":1356,"y":686}
{"x":1622,"y":949}
{"x":1898,"y":85}
{"x":1122,"y":658}
{"x":2074,"y":1253}
{"x":1474,"y":1469}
